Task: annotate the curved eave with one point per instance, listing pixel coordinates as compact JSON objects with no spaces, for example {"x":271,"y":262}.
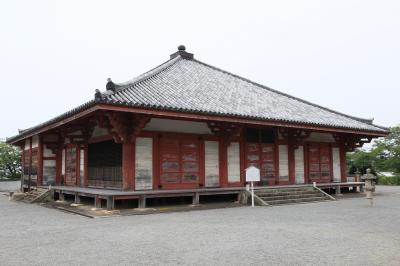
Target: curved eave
{"x":64,"y":118}
{"x":199,"y":115}
{"x":92,"y":106}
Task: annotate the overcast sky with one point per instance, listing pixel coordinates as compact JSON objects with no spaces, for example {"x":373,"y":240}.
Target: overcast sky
{"x":344,"y":55}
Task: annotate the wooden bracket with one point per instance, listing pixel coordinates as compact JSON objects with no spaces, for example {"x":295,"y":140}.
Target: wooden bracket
{"x":298,"y":136}
{"x":351,"y":142}
{"x":124,"y":127}
{"x":52,"y":143}
{"x":77,"y":134}
{"x":225,"y":130}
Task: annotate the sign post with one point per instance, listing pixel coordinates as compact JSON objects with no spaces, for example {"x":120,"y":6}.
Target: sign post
{"x":252,"y":175}
{"x":252,"y":194}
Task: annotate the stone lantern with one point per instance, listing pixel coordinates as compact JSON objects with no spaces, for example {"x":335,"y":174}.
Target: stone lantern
{"x":369,"y":180}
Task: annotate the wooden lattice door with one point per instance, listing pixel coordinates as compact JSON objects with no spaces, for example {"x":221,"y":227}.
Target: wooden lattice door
{"x":71,"y":165}
{"x":179,"y":162}
{"x":262,"y":156}
{"x":320,"y":162}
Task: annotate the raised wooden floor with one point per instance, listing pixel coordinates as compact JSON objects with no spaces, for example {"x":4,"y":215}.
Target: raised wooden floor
{"x":111,"y":195}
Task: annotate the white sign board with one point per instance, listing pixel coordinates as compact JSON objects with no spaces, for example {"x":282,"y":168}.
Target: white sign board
{"x":252,"y":174}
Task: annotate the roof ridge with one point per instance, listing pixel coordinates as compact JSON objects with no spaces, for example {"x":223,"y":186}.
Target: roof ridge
{"x":362,"y":120}
{"x":148,"y":74}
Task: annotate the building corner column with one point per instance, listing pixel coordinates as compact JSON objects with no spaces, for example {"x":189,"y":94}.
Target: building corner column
{"x":39,"y":179}
{"x":128,"y":166}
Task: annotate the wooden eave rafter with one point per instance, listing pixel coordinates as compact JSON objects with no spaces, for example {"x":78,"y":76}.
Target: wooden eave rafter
{"x":194,"y":116}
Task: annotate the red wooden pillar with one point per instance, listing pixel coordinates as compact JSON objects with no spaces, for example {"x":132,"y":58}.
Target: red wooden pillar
{"x":343,"y":166}
{"x":291,"y":163}
{"x":242,"y":149}
{"x":223,"y":162}
{"x":85,"y":167}
{"x":202,"y":173}
{"x":59,"y":165}
{"x":128,"y":166}
{"x":30,"y":164}
{"x":78,"y":165}
{"x":306,"y":163}
{"x":156,"y":168}
{"x":40,"y":163}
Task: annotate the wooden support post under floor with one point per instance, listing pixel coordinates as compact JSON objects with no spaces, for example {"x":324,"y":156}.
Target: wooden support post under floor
{"x":77,"y":198}
{"x":196,"y":198}
{"x":338,"y":190}
{"x":61,"y":196}
{"x":142,"y":202}
{"x":110,"y":202}
{"x":97,"y":202}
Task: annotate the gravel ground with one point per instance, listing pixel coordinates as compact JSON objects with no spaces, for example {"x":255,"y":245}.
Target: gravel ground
{"x":345,"y":232}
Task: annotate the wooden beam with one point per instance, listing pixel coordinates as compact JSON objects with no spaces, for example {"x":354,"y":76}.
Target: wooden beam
{"x":229,"y":119}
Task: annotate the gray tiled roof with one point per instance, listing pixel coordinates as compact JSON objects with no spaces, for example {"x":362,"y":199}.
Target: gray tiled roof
{"x":188,"y":85}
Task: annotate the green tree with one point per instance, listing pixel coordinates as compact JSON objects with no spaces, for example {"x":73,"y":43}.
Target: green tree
{"x":384,"y":155}
{"x":388,"y":150}
{"x":10,"y":161}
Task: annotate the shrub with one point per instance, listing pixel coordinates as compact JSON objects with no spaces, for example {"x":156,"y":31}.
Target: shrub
{"x":389,"y":180}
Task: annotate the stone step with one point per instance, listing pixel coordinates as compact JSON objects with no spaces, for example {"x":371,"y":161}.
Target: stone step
{"x":33,"y":195}
{"x":284,"y":190}
{"x":300,"y":196}
{"x":273,"y":194}
{"x":36,"y":193}
{"x":295,"y":201}
{"x":292,"y":195}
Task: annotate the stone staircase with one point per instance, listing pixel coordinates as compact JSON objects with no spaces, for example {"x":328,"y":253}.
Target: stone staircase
{"x":295,"y":195}
{"x":35,"y":195}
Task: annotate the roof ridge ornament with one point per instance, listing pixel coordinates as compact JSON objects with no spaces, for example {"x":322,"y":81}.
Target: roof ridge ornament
{"x":182,"y":53}
{"x":97,"y":95}
{"x":110,"y":86}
